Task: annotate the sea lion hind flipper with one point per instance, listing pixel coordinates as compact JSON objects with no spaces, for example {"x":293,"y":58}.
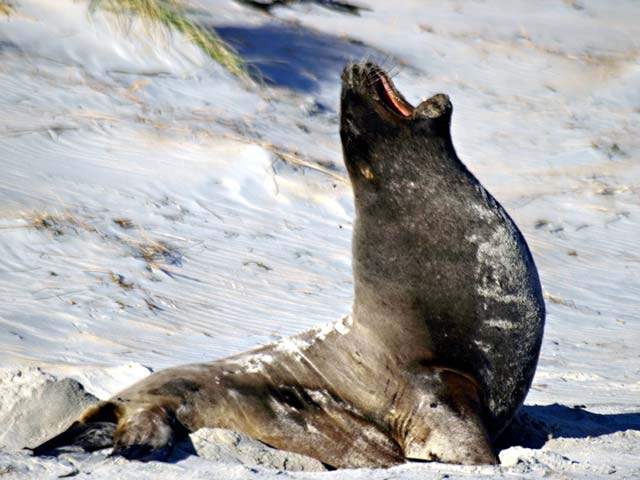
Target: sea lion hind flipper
{"x":93,"y":431}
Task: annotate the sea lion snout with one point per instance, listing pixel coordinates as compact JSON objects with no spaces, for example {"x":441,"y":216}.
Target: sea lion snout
{"x":355,"y":75}
{"x":374,"y":87}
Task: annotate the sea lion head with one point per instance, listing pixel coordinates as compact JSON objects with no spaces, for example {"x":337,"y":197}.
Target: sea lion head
{"x":402,"y":164}
{"x":387,"y":142}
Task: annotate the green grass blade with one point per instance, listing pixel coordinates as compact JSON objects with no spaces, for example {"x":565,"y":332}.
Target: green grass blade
{"x":172,"y":14}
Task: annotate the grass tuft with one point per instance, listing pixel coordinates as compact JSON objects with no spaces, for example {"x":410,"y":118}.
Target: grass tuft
{"x":58,"y":224}
{"x":6,"y":8}
{"x":173,"y":15}
{"x":155,"y":252}
{"x":121,"y":281}
{"x":124,"y":223}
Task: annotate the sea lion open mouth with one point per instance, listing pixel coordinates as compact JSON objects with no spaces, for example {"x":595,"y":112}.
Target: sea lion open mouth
{"x":367,"y":86}
{"x":389,"y":96}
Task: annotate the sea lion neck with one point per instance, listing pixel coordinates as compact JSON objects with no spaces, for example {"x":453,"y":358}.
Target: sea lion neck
{"x":401,"y":162}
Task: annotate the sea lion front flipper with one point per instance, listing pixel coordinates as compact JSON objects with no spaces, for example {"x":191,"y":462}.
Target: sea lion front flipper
{"x":136,"y":431}
{"x":86,"y":436}
{"x":93,"y":431}
{"x":445,"y":423}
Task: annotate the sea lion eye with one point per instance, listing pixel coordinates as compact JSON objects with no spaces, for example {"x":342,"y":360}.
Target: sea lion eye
{"x":367,"y":173}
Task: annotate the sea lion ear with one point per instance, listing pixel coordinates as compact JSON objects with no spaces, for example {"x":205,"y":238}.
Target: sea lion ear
{"x":437,"y":110}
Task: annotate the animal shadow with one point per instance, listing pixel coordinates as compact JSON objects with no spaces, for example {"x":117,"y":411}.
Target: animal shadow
{"x":295,"y":57}
{"x":536,"y":424}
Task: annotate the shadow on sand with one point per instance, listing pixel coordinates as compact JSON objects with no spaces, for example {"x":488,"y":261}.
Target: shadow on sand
{"x":535,"y":424}
{"x":295,"y":57}
{"x":338,"y":6}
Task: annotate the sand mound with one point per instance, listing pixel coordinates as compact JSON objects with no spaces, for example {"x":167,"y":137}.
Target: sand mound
{"x":35,"y":406}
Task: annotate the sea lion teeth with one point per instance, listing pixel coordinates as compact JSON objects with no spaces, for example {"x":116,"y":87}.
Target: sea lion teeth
{"x":442,"y":343}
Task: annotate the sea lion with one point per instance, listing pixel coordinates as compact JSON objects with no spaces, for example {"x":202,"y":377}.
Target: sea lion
{"x":442,"y":343}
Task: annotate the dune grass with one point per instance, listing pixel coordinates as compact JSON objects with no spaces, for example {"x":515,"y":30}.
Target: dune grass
{"x":6,"y":8}
{"x":173,"y":15}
